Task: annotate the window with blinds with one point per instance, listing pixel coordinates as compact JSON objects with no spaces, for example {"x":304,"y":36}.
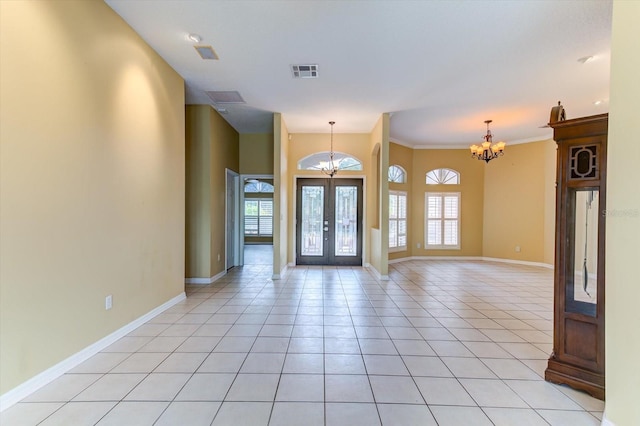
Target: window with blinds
{"x":258,"y":217}
{"x":442,"y":227}
{"x":397,"y":220}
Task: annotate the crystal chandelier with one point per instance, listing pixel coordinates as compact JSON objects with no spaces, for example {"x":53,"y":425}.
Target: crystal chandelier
{"x":331,"y":168}
{"x":486,"y":151}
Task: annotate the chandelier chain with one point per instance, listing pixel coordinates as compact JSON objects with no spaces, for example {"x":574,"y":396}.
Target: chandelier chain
{"x":332,"y":169}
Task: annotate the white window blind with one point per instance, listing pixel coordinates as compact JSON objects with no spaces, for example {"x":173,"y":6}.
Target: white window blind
{"x":258,"y":217}
{"x":397,"y":220}
{"x":442,"y":226}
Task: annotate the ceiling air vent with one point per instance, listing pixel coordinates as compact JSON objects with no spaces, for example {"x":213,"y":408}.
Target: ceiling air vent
{"x":206,"y":52}
{"x":226,"y":97}
{"x":305,"y":71}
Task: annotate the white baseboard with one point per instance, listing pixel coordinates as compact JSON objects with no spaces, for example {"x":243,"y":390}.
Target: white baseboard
{"x":518,"y":262}
{"x":282,"y":273}
{"x":375,"y":272}
{"x":27,"y":388}
{"x":486,"y":259}
{"x":605,"y":420}
{"x":398,"y":260}
{"x":205,"y":281}
{"x":447,"y":258}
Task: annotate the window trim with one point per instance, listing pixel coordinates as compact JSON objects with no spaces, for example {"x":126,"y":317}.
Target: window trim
{"x":441,"y":194}
{"x":406,"y":220}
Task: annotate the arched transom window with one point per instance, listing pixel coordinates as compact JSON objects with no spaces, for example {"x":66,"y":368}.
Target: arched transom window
{"x":258,"y":186}
{"x":320,"y":160}
{"x":443,"y":176}
{"x":397,"y":174}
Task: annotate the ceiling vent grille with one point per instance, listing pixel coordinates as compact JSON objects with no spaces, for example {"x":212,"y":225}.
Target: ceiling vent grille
{"x":206,"y":52}
{"x":226,"y":97}
{"x":305,"y":71}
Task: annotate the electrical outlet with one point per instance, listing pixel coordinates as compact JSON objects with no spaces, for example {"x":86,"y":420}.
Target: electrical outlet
{"x":517,"y":249}
{"x":418,"y":245}
{"x":108,"y":302}
{"x":218,"y":257}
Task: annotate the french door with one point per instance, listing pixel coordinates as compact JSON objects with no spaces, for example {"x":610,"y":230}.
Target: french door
{"x":329,"y":222}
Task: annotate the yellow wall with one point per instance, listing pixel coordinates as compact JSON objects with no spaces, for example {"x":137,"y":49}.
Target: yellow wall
{"x":471,"y":199}
{"x":623,"y":221}
{"x":550,"y":162}
{"x":256,"y":153}
{"x":198,"y":190}
{"x":225,"y":155}
{"x":91,"y":181}
{"x":403,"y":156}
{"x":517,"y":191}
{"x":377,"y":208}
{"x":212,"y":148}
{"x":281,"y":194}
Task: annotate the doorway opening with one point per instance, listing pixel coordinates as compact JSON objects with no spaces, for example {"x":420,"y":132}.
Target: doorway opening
{"x":329,"y":221}
{"x":257,"y":219}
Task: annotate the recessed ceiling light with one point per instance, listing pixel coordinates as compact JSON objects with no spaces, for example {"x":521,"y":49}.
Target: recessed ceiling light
{"x":585,"y":59}
{"x":598,"y":102}
{"x":194,"y":38}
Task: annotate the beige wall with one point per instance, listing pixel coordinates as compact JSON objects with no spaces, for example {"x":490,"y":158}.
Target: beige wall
{"x":377,"y":208}
{"x":623,"y":221}
{"x":471,"y":199}
{"x":281,"y":194}
{"x":550,"y":162}
{"x":91,"y":181}
{"x":212,"y":147}
{"x":198,"y":190}
{"x":256,"y":153}
{"x":518,"y":188}
{"x":403,"y":156}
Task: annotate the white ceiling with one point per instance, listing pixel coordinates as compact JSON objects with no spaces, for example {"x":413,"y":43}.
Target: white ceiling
{"x":440,"y":67}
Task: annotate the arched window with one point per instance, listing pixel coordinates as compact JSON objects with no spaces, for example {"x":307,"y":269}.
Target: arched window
{"x":320,"y":160}
{"x":257,"y":186}
{"x":443,"y":176}
{"x":397,"y":174}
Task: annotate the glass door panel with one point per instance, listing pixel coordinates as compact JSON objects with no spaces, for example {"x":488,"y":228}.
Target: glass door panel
{"x":581,"y":293}
{"x":312,"y":221}
{"x":346,"y":216}
{"x":328,"y":221}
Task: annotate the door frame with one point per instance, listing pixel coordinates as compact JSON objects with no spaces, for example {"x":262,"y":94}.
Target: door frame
{"x":235,"y":211}
{"x":294,"y":225}
{"x":241,"y":180}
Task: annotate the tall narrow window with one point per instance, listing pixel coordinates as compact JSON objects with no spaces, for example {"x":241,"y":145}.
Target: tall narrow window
{"x":442,"y":227}
{"x":258,"y":217}
{"x":397,"y":220}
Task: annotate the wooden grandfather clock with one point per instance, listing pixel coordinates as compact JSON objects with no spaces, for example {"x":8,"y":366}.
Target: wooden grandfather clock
{"x":578,"y":333}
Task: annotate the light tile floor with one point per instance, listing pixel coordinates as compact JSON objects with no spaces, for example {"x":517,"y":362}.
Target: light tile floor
{"x":440,"y":343}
